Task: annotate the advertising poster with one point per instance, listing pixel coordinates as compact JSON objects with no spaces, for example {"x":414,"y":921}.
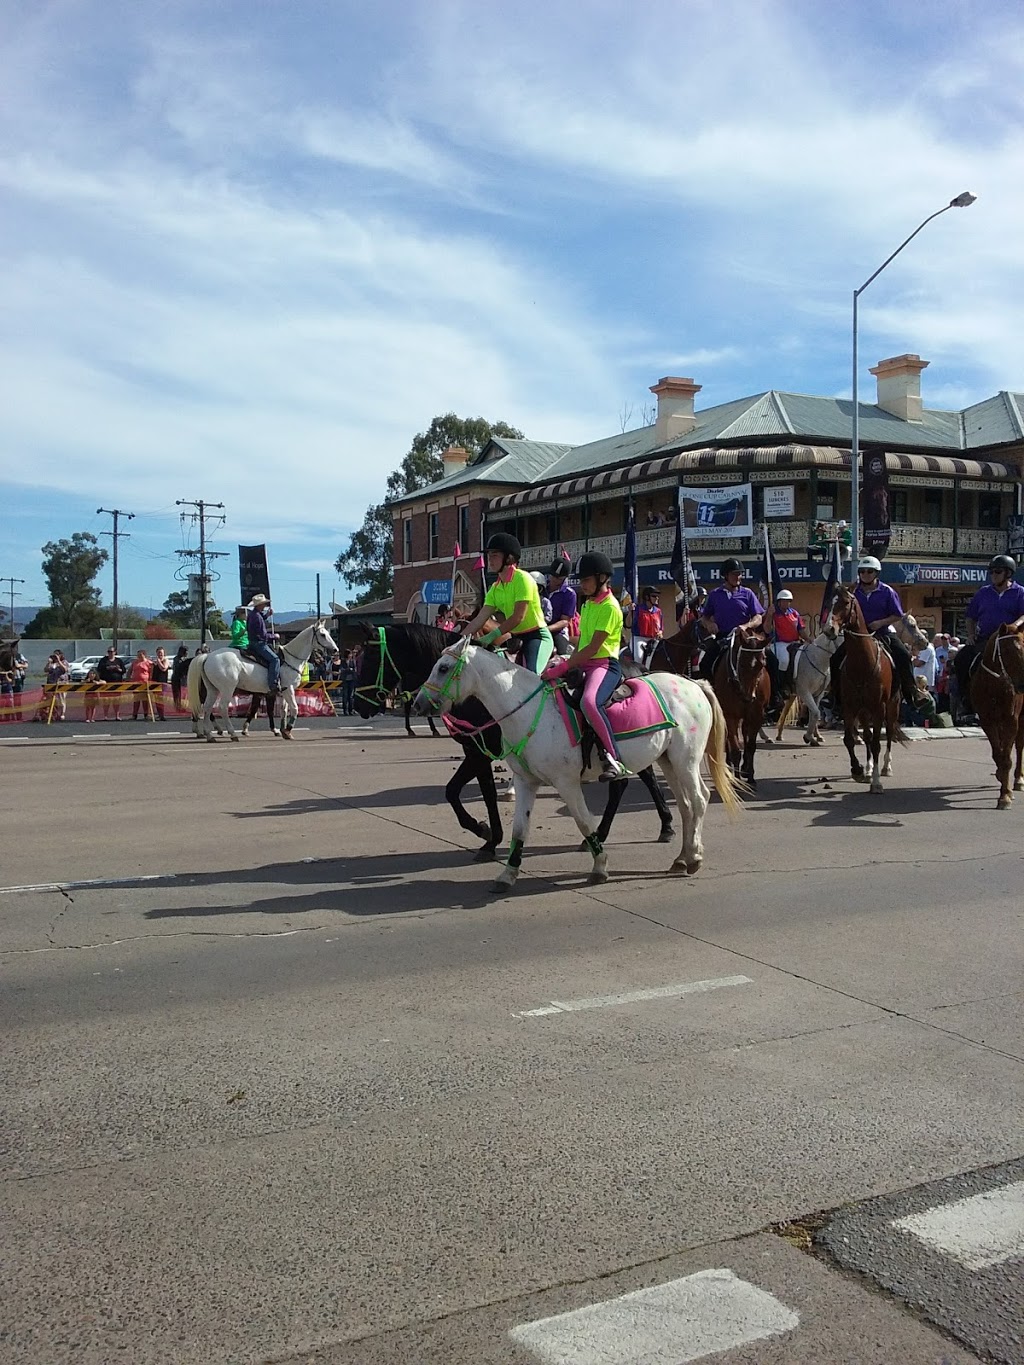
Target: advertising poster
{"x":717,"y":511}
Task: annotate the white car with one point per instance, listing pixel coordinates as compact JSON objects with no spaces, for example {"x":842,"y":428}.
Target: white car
{"x":78,"y":670}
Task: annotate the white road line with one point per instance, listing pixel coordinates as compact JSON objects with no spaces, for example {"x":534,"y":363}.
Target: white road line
{"x":979,"y":1231}
{"x":92,"y":881}
{"x":597,"y":1002}
{"x":667,"y":1324}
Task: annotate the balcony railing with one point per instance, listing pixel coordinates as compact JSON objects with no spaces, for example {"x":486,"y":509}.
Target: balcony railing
{"x":785,"y":536}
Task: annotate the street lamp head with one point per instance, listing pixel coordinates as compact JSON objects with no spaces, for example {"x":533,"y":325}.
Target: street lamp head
{"x":963,"y":201}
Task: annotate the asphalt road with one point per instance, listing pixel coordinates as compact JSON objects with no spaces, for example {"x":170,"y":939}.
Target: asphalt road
{"x":283,"y":1080}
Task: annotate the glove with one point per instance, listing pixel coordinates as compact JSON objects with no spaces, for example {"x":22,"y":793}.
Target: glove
{"x":556,"y":670}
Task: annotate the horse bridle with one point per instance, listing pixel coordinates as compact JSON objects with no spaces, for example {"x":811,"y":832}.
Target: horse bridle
{"x":376,"y":691}
{"x":736,"y":648}
{"x":997,"y":648}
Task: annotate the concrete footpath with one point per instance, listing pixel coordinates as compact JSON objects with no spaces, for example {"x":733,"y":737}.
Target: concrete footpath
{"x":284,"y":1080}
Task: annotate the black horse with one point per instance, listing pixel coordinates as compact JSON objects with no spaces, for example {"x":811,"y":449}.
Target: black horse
{"x":401,"y":659}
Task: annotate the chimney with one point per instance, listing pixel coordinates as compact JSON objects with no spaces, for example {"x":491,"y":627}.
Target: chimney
{"x":899,"y":386}
{"x":455,"y":458}
{"x":675,"y":408}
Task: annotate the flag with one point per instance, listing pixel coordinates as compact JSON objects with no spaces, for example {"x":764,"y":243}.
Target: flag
{"x":769,"y":571}
{"x":630,"y":583}
{"x":481,"y":568}
{"x":877,"y":529}
{"x":680,"y":567}
{"x":831,"y":585}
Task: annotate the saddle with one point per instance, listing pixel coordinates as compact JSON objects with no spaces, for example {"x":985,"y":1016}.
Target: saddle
{"x":248,"y":654}
{"x":573,"y":693}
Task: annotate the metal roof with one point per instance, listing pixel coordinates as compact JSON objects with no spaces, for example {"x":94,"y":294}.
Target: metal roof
{"x":500,"y":461}
{"x":787,"y":458}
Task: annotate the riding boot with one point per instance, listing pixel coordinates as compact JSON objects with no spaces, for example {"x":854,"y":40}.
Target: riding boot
{"x":612,"y":770}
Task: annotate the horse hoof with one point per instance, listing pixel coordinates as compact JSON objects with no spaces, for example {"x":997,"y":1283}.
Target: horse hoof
{"x":666,"y":836}
{"x":808,"y":740}
{"x":597,"y":878}
{"x":1004,"y":803}
{"x":1018,"y":786}
{"x":502,"y":885}
{"x":860,"y":777}
{"x":678,"y":869}
{"x":286,"y":734}
{"x":211,"y":739}
{"x":484,"y":855}
{"x":234,"y":739}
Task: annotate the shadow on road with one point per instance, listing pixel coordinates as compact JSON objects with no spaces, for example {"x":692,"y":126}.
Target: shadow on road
{"x":841,"y":803}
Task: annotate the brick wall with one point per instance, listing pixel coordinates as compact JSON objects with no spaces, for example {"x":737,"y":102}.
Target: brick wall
{"x":409,"y":577}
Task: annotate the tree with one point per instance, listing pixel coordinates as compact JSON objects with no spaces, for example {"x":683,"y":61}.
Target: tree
{"x":368,"y":561}
{"x":183,"y":614}
{"x":69,"y":567}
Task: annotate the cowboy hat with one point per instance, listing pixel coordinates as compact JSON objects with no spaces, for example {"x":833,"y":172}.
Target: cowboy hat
{"x":260,"y":601}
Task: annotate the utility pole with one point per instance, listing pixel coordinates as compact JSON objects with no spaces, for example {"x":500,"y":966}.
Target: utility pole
{"x":117,"y":535}
{"x":202,"y":516}
{"x":318,"y":597}
{"x":10,"y":584}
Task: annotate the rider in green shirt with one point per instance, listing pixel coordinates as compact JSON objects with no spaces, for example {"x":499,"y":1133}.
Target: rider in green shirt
{"x":513,"y":601}
{"x":239,"y":630}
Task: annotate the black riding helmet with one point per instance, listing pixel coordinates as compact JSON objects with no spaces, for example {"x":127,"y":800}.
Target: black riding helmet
{"x":730,"y":566}
{"x":648,"y":591}
{"x":1003,"y":562}
{"x":593,"y":562}
{"x":559,"y":568}
{"x":505,"y":545}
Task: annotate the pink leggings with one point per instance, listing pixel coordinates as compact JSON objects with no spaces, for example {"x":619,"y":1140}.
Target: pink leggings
{"x":602,"y":677}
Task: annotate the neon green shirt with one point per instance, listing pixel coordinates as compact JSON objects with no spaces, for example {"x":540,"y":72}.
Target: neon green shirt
{"x":602,"y":614}
{"x":519,"y":588}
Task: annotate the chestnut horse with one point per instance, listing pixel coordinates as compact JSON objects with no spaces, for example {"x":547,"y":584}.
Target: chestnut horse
{"x":870,"y":692}
{"x":743,"y":689}
{"x":997,"y":693}
{"x":675,"y":653}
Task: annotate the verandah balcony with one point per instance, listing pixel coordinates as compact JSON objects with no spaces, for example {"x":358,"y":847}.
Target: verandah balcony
{"x":787,"y":536}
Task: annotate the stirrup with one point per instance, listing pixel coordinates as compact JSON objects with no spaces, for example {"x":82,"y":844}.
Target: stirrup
{"x":612,"y":770}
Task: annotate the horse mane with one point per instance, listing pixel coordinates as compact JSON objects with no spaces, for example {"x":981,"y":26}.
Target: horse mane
{"x":415,"y":649}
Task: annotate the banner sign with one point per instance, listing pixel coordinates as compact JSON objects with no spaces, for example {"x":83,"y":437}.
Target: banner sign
{"x":436,"y":592}
{"x":899,"y":573}
{"x":717,"y":511}
{"x":876,"y":504}
{"x":780,"y":502}
{"x":1015,"y":535}
{"x":253,"y":575}
{"x":929,"y":575}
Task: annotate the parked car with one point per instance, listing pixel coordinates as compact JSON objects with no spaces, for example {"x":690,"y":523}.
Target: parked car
{"x":80,"y":667}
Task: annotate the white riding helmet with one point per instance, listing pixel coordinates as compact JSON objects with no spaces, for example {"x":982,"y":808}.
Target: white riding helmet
{"x":784,"y":596}
{"x":869,"y":562}
{"x":540,"y":579}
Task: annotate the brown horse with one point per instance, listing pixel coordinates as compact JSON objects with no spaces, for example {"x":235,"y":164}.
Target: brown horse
{"x":676,"y":653}
{"x":997,"y":693}
{"x":870,"y":693}
{"x":743,"y":689}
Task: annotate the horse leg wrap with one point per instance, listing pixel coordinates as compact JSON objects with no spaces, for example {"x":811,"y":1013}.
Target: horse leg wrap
{"x":515,"y":854}
{"x":594,"y":844}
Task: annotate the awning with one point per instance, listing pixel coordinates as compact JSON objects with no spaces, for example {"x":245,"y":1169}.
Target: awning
{"x":786,"y":459}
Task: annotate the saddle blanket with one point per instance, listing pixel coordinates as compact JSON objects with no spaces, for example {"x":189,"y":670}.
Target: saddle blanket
{"x":642,"y":712}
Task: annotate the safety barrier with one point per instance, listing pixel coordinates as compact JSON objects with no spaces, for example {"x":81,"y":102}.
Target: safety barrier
{"x":108,"y":695}
{"x":94,"y":701}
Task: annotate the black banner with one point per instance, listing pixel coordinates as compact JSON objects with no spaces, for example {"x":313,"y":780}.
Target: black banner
{"x":252,"y":571}
{"x":876,"y":505}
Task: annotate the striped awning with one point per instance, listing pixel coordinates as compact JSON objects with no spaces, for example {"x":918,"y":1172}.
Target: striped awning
{"x":788,"y":459}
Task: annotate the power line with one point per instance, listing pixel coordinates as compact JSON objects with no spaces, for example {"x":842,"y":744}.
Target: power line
{"x":202,"y":516}
{"x":10,"y":583}
{"x":116,"y":535}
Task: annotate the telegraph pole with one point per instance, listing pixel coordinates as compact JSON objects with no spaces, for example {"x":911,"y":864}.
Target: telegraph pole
{"x":117,"y":535}
{"x":10,"y":584}
{"x":202,"y":516}
{"x":318,"y":597}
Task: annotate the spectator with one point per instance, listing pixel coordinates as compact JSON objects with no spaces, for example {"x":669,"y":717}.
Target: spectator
{"x":20,"y":674}
{"x":55,"y":673}
{"x":142,"y":672}
{"x":348,"y":675}
{"x":941,"y":643}
{"x":92,"y":686}
{"x":111,"y":669}
{"x":924,"y":665}
{"x":178,"y":671}
{"x":160,"y":674}
{"x":445,"y":619}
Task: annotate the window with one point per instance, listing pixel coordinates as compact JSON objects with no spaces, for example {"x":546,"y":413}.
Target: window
{"x":432,"y":520}
{"x":464,"y":527}
{"x":933,"y":507}
{"x":407,"y":541}
{"x":990,"y":510}
{"x":898,"y":505}
{"x":554,"y":529}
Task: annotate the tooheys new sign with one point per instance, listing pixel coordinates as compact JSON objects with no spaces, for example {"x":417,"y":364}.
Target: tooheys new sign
{"x":876,"y":504}
{"x":253,"y":575}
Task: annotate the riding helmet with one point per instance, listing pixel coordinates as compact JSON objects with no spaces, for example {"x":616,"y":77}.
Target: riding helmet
{"x":730,"y":566}
{"x":539,"y":579}
{"x":784,"y":596}
{"x":1003,"y":562}
{"x":869,"y":562}
{"x":506,"y":545}
{"x":593,"y":562}
{"x":559,"y":568}
{"x":649,"y":591}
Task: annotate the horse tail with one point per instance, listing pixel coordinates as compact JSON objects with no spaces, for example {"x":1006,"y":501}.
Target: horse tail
{"x":727,"y":786}
{"x":787,"y":711}
{"x":195,"y":687}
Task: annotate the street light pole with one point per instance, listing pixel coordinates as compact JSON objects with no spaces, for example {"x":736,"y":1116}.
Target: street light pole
{"x":962,"y":201}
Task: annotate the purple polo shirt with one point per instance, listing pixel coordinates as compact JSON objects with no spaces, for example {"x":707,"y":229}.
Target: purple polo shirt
{"x":731,"y":609}
{"x":993,"y":609}
{"x":879,"y":603}
{"x":563,"y":602}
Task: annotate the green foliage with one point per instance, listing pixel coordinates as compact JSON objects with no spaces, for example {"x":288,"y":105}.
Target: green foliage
{"x":368,"y":560}
{"x":179,"y":610}
{"x":69,"y":567}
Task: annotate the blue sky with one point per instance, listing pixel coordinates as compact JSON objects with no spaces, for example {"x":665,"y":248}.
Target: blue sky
{"x":249,"y":249}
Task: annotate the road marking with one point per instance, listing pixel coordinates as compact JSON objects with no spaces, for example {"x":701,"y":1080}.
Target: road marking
{"x":667,"y":1324}
{"x":93,"y":881}
{"x":597,"y":1002}
{"x":979,"y":1231}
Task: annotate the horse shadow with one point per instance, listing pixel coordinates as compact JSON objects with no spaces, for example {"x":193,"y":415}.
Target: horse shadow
{"x":388,"y":884}
{"x":840,"y":803}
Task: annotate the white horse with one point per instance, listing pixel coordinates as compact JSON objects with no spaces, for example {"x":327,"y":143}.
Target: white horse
{"x":225,"y":672}
{"x":539,"y":751}
{"x":809,"y":682}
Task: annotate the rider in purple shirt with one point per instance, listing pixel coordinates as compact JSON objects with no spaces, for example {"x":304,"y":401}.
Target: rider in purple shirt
{"x":563,"y":606}
{"x":882,"y":610}
{"x":1000,"y":602}
{"x":728,"y":606}
{"x":259,"y":641}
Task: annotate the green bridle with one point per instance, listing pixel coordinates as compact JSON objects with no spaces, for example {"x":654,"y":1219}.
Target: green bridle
{"x":377,"y":692}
